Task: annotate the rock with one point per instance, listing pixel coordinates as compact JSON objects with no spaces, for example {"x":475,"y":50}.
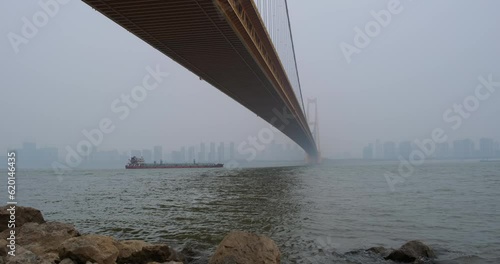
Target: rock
{"x":67,"y":261}
{"x":41,"y":240}
{"x":411,"y":251}
{"x":190,"y":253}
{"x":23,"y":215}
{"x":382,"y":251}
{"x":45,"y":239}
{"x":6,"y":233}
{"x":376,"y":250}
{"x":93,"y":248}
{"x":3,"y":248}
{"x":129,"y":247}
{"x":24,"y":256}
{"x":246,"y":248}
{"x":140,"y":252}
{"x":170,"y":262}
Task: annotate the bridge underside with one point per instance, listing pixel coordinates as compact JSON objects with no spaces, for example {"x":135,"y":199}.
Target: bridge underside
{"x":223,"y":42}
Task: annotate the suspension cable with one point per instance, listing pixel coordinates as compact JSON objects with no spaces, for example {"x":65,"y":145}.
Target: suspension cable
{"x":294,"y":57}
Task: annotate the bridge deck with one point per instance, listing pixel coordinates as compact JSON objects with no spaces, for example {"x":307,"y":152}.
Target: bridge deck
{"x":206,"y":40}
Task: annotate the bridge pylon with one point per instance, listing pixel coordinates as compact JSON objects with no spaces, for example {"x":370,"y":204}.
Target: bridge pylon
{"x":313,"y":122}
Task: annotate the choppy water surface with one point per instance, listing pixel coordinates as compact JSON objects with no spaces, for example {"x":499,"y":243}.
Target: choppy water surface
{"x":323,"y":214}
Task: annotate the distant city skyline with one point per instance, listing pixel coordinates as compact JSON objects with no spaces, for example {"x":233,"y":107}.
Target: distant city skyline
{"x":33,"y":155}
{"x":467,"y":148}
{"x":30,"y":155}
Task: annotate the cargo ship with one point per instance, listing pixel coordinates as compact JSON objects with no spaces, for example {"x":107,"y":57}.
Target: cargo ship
{"x":138,"y":163}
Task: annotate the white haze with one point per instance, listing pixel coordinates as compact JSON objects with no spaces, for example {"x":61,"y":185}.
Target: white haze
{"x":428,"y":58}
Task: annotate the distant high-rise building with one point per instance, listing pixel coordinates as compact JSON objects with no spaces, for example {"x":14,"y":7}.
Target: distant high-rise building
{"x":379,"y":152}
{"x":158,"y":153}
{"x":443,"y":150}
{"x":211,"y":154}
{"x":183,"y":154}
{"x":463,"y":149}
{"x":124,"y":156}
{"x":147,"y":154}
{"x":176,"y":156}
{"x":458,"y":149}
{"x":390,"y":150}
{"x":136,"y":153}
{"x":202,"y":154}
{"x":487,"y":148}
{"x":405,"y":149}
{"x":220,"y":152}
{"x":231,"y":151}
{"x":105,"y":157}
{"x":48,"y":156}
{"x":190,"y":155}
{"x":368,"y":152}
{"x":28,"y":154}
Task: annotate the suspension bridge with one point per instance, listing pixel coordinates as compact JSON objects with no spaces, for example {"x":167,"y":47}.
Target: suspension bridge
{"x":244,"y":48}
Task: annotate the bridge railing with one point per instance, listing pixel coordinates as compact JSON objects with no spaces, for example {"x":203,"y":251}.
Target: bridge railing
{"x":274,"y":14}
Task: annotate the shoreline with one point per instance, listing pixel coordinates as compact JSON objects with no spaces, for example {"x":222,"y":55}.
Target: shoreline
{"x":49,"y":242}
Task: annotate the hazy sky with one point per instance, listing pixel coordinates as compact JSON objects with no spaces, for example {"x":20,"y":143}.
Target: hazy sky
{"x":426,"y":59}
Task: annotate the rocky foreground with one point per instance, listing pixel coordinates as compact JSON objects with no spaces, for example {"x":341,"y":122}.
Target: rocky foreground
{"x":38,"y":241}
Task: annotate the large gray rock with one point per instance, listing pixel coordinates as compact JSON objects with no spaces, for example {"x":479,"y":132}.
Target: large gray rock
{"x":23,"y":215}
{"x":412,"y":251}
{"x":45,"y":239}
{"x":246,"y":248}
{"x":24,"y":256}
{"x":42,"y":240}
{"x":128,"y":248}
{"x":140,"y":252}
{"x":90,"y":248}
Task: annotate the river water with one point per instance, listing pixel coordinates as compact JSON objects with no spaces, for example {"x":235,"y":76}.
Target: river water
{"x":321,"y":214}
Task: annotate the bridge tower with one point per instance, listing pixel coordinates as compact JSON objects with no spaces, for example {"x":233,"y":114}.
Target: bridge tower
{"x":313,"y":122}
